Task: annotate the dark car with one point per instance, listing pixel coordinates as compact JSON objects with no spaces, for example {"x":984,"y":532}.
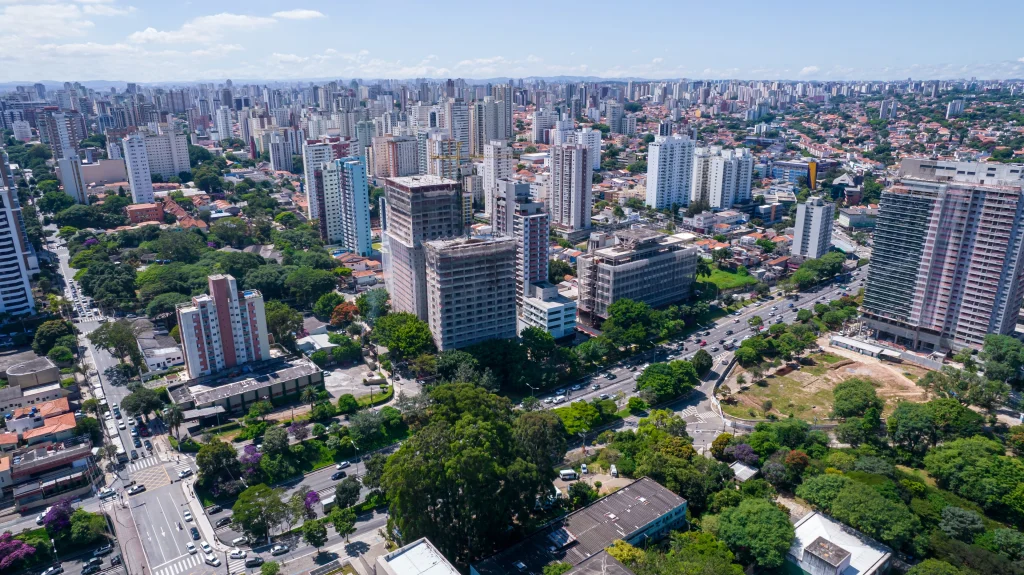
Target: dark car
{"x":214,"y":509}
{"x":195,"y":533}
{"x":728,"y":332}
{"x":222,"y":522}
{"x":144,"y":432}
{"x":148,"y":445}
{"x":137,"y":442}
{"x":338,"y":475}
{"x":254,"y":562}
{"x":116,"y":560}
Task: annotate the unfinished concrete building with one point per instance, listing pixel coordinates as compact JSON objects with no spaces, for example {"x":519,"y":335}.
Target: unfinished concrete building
{"x":642,"y":265}
{"x":471,"y":290}
{"x":418,"y":209}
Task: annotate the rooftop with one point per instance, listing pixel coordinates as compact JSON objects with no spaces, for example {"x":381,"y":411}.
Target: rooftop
{"x":413,"y":182}
{"x":600,"y":564}
{"x":743,"y":471}
{"x":418,"y":558}
{"x":45,"y":409}
{"x":217,"y":387}
{"x":585,"y":532}
{"x":828,"y":539}
{"x":52,"y":425}
{"x":32,"y":366}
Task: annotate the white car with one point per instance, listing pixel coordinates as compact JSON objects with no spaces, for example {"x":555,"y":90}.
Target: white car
{"x":205,"y":547}
{"x":278,"y":549}
{"x":212,"y":559}
{"x":120,"y":425}
{"x":342,"y":465}
{"x":184,"y":473}
{"x":237,"y":554}
{"x":191,"y":547}
{"x":187,"y":515}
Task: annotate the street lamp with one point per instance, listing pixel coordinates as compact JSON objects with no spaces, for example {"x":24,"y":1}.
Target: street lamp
{"x":55,"y":557}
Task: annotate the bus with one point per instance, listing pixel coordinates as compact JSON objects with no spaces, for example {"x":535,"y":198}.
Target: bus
{"x":122,"y":455}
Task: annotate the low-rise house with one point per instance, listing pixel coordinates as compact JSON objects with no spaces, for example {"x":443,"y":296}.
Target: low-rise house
{"x":56,"y":428}
{"x":824,"y":546}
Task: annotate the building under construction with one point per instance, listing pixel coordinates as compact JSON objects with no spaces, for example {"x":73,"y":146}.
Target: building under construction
{"x":641,"y":265}
{"x":471,"y":290}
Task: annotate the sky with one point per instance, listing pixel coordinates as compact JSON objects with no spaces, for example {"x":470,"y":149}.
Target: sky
{"x":183,"y":41}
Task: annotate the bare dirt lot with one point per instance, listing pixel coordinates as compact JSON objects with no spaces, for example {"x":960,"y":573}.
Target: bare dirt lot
{"x":807,"y":392}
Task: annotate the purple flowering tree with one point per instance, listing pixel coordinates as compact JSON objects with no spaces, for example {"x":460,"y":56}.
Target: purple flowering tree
{"x":59,"y":517}
{"x":90,"y":242}
{"x":250,"y":460}
{"x":743,"y":453}
{"x":298,"y":430}
{"x":312,"y":498}
{"x":13,"y":550}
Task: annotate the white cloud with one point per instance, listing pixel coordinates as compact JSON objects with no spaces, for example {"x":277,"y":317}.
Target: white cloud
{"x":288,"y":58}
{"x":205,"y":29}
{"x":299,"y":14}
{"x":1020,"y":59}
{"x":106,"y":10}
{"x":807,"y":70}
{"x":54,"y":21}
{"x":657,"y":61}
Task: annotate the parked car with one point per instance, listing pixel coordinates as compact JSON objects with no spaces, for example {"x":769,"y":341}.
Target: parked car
{"x":243,"y":540}
{"x":103,"y":551}
{"x":95,"y":561}
{"x":187,"y":515}
{"x":342,"y":465}
{"x":213,"y":509}
{"x":90,"y":569}
{"x":195,"y":533}
{"x":115,"y":560}
{"x":275,"y":550}
{"x":53,"y":570}
{"x":222,"y":522}
{"x":135,"y":454}
{"x":604,"y":396}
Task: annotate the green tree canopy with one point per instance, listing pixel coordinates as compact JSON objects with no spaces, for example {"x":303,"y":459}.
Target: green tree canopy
{"x":757,"y":531}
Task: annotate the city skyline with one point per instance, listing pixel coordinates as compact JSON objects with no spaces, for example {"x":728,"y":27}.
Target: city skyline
{"x":117,"y":41}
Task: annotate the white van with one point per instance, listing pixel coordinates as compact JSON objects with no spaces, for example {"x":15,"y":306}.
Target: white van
{"x":567,"y":474}
{"x":239,"y":541}
{"x":560,"y":399}
{"x":613,"y":471}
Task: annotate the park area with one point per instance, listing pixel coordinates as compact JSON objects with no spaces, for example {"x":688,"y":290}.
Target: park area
{"x":726,"y":280}
{"x":806,"y":392}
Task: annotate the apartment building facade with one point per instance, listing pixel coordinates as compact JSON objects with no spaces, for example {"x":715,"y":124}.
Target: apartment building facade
{"x":947,"y":263}
{"x":669,"y":172}
{"x":346,"y":204}
{"x":722,"y":177}
{"x":526,"y":222}
{"x":223,"y":329}
{"x":570,"y":194}
{"x":812,"y":234}
{"x":642,"y":265}
{"x":418,"y":209}
{"x":136,"y":161}
{"x":470,"y":290}
{"x":314,"y":154}
{"x":15,"y":256}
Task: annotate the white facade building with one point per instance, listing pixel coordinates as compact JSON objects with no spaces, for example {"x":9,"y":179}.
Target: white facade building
{"x":167,"y":154}
{"x":347,"y":204}
{"x":812,"y":234}
{"x":591,"y":138}
{"x":280,"y":153}
{"x":722,"y":178}
{"x":136,"y":160}
{"x":71,"y":178}
{"x":313,"y":155}
{"x":497,"y":167}
{"x":571,"y":196}
{"x":15,"y":291}
{"x":669,"y":171}
{"x":545,"y":308}
{"x":222,"y":123}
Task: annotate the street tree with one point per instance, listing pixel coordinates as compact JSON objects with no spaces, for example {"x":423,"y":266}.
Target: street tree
{"x":346,"y":493}
{"x":275,"y":440}
{"x":314,"y":533}
{"x":142,"y":402}
{"x":257,"y":510}
{"x":343,"y":519}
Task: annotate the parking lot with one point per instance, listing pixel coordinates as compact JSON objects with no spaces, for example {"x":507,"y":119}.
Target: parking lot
{"x":348,"y":380}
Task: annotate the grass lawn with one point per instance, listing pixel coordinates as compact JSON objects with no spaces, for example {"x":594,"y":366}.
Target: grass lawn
{"x":787,"y":396}
{"x":728,"y":280}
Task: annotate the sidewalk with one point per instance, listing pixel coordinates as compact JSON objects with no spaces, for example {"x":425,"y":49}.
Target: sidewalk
{"x":199,"y":515}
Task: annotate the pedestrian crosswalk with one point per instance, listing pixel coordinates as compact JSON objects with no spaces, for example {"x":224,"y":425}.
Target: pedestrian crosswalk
{"x":180,"y":566}
{"x":143,"y":463}
{"x":236,"y":565}
{"x":181,"y":466}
